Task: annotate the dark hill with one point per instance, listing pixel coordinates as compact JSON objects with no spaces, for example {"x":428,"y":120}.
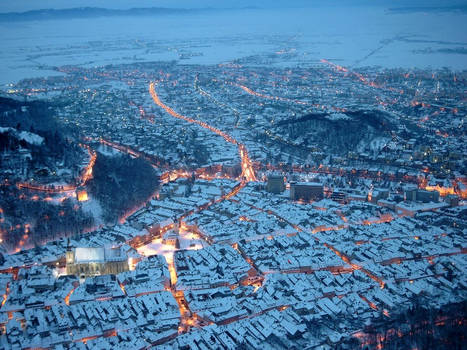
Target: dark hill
{"x":336,"y":133}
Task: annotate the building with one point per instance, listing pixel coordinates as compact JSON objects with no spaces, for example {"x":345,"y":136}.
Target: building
{"x":378,"y":194}
{"x":306,"y":191}
{"x":410,"y":193}
{"x":452,"y":200}
{"x":337,"y":196}
{"x":93,"y":261}
{"x":275,"y":184}
{"x":427,"y":196}
{"x":82,"y":194}
{"x":171,"y":238}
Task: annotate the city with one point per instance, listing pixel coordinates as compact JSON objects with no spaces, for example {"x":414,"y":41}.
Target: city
{"x":235,"y":205}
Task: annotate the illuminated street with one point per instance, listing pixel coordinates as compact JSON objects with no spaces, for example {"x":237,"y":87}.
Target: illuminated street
{"x":281,"y":176}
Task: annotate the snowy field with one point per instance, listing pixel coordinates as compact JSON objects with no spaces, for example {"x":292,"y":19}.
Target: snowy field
{"x":350,"y":37}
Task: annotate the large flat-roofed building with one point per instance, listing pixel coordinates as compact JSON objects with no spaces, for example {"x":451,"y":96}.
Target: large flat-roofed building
{"x":93,"y":261}
{"x":275,"y":184}
{"x":415,"y":194}
{"x":306,"y":191}
{"x":427,"y":196}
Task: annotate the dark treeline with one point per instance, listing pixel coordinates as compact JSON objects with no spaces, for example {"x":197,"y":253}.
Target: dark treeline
{"x":54,"y":149}
{"x":120,"y":183}
{"x":34,"y":222}
{"x":26,"y":218}
{"x":37,"y":114}
{"x":336,"y":136}
{"x":419,"y":327}
{"x":37,"y":117}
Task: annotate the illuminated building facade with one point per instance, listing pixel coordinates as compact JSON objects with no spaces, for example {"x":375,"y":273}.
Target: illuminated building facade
{"x":94,"y":261}
{"x":82,"y":194}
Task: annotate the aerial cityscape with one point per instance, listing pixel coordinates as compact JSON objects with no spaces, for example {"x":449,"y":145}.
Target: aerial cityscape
{"x":226,"y":177}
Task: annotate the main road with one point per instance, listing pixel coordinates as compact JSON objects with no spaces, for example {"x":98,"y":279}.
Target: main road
{"x":248,"y":174}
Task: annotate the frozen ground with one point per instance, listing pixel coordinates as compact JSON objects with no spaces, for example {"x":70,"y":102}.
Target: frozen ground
{"x":348,"y":36}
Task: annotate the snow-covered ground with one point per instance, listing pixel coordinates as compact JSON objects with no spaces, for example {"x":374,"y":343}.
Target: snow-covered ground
{"x":348,"y":36}
{"x":27,"y":136}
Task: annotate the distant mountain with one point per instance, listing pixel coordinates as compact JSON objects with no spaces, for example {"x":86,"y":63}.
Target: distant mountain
{"x":431,"y":9}
{"x":92,"y":12}
{"x":95,"y":12}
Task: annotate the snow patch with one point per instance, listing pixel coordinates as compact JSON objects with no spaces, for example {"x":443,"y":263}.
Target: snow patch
{"x":107,"y":151}
{"x":31,"y":138}
{"x":338,"y":116}
{"x":378,"y":143}
{"x":4,"y":130}
{"x":93,"y":207}
{"x":27,"y":136}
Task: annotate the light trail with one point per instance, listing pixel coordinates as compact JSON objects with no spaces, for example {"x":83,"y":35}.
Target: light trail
{"x":67,"y":298}
{"x":370,"y":303}
{"x":285,"y":99}
{"x":86,"y":175}
{"x":188,"y":318}
{"x":359,"y":76}
{"x":140,"y":241}
{"x":254,"y":278}
{"x":342,"y":172}
{"x":248,"y":174}
{"x":269,"y":97}
{"x":414,"y":103}
{"x":347,"y":260}
{"x":341,"y":255}
{"x":216,"y":101}
{"x":154,"y":161}
{"x":5,"y":296}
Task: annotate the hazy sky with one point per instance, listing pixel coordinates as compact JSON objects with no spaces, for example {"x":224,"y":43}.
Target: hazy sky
{"x":25,"y":5}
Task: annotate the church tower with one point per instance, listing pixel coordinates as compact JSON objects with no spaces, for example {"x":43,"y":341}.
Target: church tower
{"x":70,"y":255}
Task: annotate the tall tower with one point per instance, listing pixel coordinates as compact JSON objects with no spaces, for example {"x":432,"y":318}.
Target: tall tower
{"x":70,"y":255}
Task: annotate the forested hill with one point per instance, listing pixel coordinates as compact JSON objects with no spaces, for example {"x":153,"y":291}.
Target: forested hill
{"x":26,"y":114}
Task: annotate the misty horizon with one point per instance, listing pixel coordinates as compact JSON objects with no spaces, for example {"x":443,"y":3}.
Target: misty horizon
{"x":26,"y":5}
{"x":240,"y":175}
